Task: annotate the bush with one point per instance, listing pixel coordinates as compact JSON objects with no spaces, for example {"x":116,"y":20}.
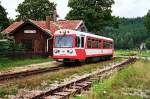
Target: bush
{"x":9,"y":46}
{"x":4,"y":46}
{"x":148,"y":43}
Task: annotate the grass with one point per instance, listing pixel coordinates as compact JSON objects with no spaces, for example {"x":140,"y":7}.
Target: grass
{"x":6,"y":63}
{"x":43,"y":81}
{"x":145,"y":53}
{"x":136,"y":76}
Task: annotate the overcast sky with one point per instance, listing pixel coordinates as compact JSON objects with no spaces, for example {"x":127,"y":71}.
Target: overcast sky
{"x":122,"y":8}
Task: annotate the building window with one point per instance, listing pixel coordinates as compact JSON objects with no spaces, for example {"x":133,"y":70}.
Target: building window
{"x":27,"y":43}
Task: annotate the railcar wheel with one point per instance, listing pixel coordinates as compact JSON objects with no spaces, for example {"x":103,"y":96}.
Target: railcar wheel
{"x":77,"y":62}
{"x":88,"y":60}
{"x":66,"y":63}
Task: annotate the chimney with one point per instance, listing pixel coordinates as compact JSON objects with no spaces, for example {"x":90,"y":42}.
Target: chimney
{"x":48,"y":22}
{"x":55,"y":15}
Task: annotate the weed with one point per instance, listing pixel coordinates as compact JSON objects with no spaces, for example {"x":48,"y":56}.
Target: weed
{"x":135,"y":76}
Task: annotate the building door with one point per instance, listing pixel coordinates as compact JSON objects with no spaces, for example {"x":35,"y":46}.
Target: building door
{"x":39,"y":46}
{"x":50,"y":46}
{"x":27,"y":43}
{"x":36,"y":45}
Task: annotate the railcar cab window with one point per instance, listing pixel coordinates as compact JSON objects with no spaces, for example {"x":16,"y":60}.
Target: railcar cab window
{"x":64,"y":41}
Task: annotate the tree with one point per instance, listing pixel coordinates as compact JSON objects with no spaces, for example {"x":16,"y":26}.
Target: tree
{"x":147,"y":21}
{"x":10,"y":46}
{"x":95,"y":13}
{"x":130,"y":33}
{"x":147,"y":43}
{"x":1,"y":36}
{"x":35,"y":9}
{"x":4,"y":21}
{"x":147,"y":25}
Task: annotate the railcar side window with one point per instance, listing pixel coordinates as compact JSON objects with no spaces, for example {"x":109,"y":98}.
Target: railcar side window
{"x":89,"y":43}
{"x":93,"y":43}
{"x":82,"y":42}
{"x":96,"y":44}
{"x":100,"y":43}
{"x":111,"y":45}
{"x":107,"y":44}
{"x":77,"y":41}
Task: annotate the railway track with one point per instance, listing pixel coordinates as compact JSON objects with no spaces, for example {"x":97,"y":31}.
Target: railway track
{"x":21,"y":74}
{"x":75,"y":86}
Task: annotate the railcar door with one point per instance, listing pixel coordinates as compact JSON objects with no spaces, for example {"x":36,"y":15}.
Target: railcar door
{"x":80,"y":44}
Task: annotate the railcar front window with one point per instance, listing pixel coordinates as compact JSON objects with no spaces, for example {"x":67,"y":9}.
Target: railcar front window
{"x":63,"y":41}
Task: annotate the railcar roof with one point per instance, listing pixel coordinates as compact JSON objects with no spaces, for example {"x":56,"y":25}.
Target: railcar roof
{"x":86,"y":34}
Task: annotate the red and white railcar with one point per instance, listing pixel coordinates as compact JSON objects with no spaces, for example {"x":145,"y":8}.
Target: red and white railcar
{"x":71,"y":45}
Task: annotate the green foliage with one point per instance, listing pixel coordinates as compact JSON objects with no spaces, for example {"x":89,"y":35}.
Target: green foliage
{"x":148,"y":43}
{"x":13,"y":47}
{"x":144,"y":53}
{"x":147,"y":25}
{"x":147,"y":21}
{"x":35,"y":9}
{"x":95,"y":13}
{"x":4,"y":46}
{"x":1,"y":36}
{"x":7,"y":45}
{"x":130,"y":34}
{"x":4,"y":21}
{"x":11,"y":21}
{"x":10,"y":46}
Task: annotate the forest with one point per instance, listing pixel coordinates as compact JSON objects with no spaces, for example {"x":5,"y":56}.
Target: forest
{"x":131,"y":32}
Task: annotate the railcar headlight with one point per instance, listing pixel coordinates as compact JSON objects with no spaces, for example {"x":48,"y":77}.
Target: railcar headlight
{"x":56,"y":51}
{"x":70,"y":51}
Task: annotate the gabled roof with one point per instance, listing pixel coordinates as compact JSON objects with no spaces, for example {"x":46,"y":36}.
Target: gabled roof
{"x":61,"y":24}
{"x":12,"y":27}
{"x":70,"y":24}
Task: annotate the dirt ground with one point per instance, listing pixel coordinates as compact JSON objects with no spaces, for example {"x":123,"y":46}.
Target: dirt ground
{"x":31,"y":67}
